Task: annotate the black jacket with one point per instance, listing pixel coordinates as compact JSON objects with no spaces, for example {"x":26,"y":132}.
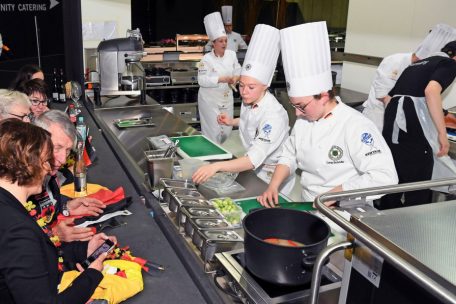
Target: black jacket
{"x":28,"y":261}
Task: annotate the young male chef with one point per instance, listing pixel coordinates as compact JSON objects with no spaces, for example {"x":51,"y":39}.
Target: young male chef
{"x":335,"y":146}
{"x":235,"y":41}
{"x":263,"y":124}
{"x":218,"y":71}
{"x":391,"y":68}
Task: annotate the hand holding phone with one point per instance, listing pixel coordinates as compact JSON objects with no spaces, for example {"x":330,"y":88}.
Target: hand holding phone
{"x":107,"y":246}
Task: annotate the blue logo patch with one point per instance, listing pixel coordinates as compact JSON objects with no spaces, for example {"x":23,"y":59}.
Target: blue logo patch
{"x":366,"y":138}
{"x":267,"y":129}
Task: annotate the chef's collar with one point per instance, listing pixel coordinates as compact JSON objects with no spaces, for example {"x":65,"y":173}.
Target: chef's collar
{"x":330,"y":113}
{"x":259,"y":103}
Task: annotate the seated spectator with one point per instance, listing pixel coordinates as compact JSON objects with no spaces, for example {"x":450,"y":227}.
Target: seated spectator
{"x":29,"y":262}
{"x":49,"y":203}
{"x":27,"y":72}
{"x":14,"y":104}
{"x":36,"y":90}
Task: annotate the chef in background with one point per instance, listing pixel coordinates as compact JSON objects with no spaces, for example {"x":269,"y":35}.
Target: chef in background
{"x":235,"y":41}
{"x":415,"y":129}
{"x":218,"y":72}
{"x":336,"y":147}
{"x":391,"y":68}
{"x":263,"y":125}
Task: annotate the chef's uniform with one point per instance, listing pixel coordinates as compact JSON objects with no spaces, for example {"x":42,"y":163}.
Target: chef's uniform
{"x":263,"y":126}
{"x":235,"y":41}
{"x":391,"y":68}
{"x":386,"y":75}
{"x":215,"y":98}
{"x":410,"y":131}
{"x":343,"y":148}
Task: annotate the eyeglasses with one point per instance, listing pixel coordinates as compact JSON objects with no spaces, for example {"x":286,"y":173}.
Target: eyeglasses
{"x":36,"y":102}
{"x":25,"y":117}
{"x":301,"y":108}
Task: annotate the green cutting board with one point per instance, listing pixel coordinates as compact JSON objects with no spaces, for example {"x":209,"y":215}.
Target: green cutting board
{"x":199,"y":146}
{"x":248,"y":204}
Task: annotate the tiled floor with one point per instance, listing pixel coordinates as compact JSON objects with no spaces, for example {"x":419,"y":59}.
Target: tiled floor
{"x":234,"y":145}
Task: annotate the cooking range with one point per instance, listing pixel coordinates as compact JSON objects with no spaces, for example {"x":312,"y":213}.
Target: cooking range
{"x":250,"y":289}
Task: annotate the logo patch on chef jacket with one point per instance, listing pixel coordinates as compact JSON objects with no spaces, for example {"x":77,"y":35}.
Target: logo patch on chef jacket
{"x":335,"y":154}
{"x":368,"y":139}
{"x":266,"y":131}
{"x":248,"y":66}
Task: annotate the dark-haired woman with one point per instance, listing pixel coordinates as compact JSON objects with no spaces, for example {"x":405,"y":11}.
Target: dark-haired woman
{"x":36,"y":90}
{"x":27,"y":72}
{"x":28,"y":259}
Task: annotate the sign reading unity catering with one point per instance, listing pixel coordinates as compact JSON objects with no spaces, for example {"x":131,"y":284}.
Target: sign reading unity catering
{"x":30,"y":6}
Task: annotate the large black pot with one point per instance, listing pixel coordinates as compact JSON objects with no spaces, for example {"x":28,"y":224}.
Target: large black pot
{"x":281,"y":264}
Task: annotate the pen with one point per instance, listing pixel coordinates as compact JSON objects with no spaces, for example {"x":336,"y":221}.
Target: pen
{"x":155,"y":266}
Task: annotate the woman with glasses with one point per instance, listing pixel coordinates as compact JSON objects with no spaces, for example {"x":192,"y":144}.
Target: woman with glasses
{"x":263,"y":124}
{"x":14,"y":104}
{"x":36,"y":90}
{"x":29,"y":260}
{"x":336,"y":147}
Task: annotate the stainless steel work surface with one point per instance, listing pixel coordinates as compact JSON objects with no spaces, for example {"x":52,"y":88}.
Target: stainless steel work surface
{"x":423,"y":235}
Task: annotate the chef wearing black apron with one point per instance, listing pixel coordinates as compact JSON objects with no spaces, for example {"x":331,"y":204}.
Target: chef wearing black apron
{"x":414,"y":126}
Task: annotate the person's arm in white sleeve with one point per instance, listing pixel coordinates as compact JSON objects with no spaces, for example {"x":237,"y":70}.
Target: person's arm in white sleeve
{"x":384,"y":79}
{"x":371,"y":157}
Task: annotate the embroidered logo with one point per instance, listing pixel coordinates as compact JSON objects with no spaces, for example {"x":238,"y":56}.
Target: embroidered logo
{"x":266,"y":130}
{"x":335,"y":153}
{"x":248,"y":66}
{"x":368,"y":139}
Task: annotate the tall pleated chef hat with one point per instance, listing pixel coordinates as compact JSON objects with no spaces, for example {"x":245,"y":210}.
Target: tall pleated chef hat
{"x":227,"y":14}
{"x":435,"y":40}
{"x":261,"y":57}
{"x":306,"y":59}
{"x":214,"y":26}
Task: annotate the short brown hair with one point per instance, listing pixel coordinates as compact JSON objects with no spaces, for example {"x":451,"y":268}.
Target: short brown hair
{"x":330,"y":93}
{"x":24,"y":148}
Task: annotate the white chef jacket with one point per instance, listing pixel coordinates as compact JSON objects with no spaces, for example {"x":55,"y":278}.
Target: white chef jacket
{"x":388,"y":72}
{"x":213,"y":97}
{"x":263,"y":129}
{"x":344,"y":149}
{"x":235,"y":43}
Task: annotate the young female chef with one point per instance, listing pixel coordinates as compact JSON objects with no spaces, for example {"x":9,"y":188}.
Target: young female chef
{"x":414,"y":125}
{"x":335,"y":146}
{"x":216,"y":71}
{"x":263,"y":124}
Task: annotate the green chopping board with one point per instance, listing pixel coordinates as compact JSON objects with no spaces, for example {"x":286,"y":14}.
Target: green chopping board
{"x":248,"y":204}
{"x":199,"y":146}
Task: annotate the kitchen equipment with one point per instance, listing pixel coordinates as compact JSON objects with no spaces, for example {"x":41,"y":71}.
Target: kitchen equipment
{"x":190,"y":165}
{"x":158,"y":166}
{"x":159,"y":142}
{"x":188,"y":202}
{"x":173,"y":195}
{"x":120,"y":57}
{"x":184,"y":76}
{"x":211,"y":242}
{"x":281,"y":264}
{"x":134,"y":122}
{"x":177,"y":183}
{"x":203,"y":218}
{"x":199,"y":146}
{"x":251,"y":203}
{"x":251,"y":289}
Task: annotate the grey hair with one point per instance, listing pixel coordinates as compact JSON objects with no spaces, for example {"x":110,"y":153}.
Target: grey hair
{"x":9,"y":98}
{"x":57,"y":117}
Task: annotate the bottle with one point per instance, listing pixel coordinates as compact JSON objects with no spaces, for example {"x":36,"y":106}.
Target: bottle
{"x":55,"y":87}
{"x":72,"y":113}
{"x":62,"y":91}
{"x":80,"y":172}
{"x":81,"y":128}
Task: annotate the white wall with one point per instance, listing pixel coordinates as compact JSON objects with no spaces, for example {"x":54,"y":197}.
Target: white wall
{"x":381,"y":28}
{"x":98,"y":11}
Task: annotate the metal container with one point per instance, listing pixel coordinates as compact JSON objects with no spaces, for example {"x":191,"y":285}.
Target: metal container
{"x":190,"y":216}
{"x":130,"y":83}
{"x":217,"y":242}
{"x":177,"y":183}
{"x":173,"y":195}
{"x":187,"y":202}
{"x":201,"y":236}
{"x":158,"y":166}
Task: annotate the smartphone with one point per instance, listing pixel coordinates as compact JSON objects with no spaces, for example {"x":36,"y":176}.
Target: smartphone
{"x":107,"y":246}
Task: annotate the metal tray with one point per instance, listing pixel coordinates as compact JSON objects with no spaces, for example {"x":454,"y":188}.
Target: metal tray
{"x":134,"y":122}
{"x":177,"y":183}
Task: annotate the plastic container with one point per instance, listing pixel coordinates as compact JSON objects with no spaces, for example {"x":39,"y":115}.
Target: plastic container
{"x":189,"y":166}
{"x":233,"y":216}
{"x":158,"y":166}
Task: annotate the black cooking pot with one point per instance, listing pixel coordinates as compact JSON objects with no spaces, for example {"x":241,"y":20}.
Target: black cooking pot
{"x":279,"y":264}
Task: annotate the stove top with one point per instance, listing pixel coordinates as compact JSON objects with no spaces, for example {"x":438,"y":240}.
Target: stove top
{"x":254,"y":290}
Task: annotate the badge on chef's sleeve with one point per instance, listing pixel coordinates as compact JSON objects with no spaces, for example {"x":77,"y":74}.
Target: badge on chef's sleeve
{"x":201,"y":68}
{"x":265,"y":133}
{"x":368,"y":139}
